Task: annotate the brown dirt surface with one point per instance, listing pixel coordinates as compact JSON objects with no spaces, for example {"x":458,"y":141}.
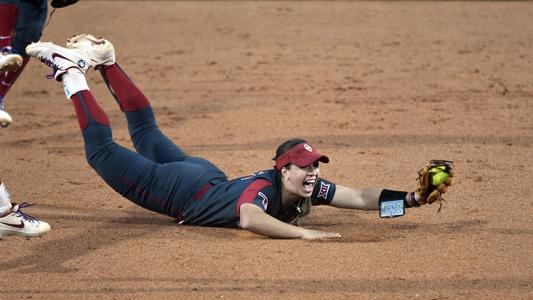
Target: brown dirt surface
{"x":381,"y":87}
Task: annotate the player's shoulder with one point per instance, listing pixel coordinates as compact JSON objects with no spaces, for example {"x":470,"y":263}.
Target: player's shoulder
{"x":261,"y":181}
{"x":268,"y":175}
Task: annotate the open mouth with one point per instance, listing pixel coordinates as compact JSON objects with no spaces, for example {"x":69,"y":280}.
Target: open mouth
{"x":309,"y":185}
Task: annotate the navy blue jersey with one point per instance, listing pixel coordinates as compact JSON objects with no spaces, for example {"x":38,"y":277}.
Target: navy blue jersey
{"x":220,"y":205}
{"x":161,"y":177}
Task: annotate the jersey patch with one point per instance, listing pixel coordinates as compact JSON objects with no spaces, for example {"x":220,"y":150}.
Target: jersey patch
{"x":265,"y":200}
{"x":251,"y":192}
{"x":324,"y":190}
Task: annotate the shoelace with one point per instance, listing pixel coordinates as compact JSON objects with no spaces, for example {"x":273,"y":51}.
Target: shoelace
{"x":5,"y":50}
{"x":52,"y":65}
{"x":22,"y":214}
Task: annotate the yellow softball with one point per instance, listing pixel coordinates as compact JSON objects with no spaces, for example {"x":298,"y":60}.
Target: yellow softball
{"x":438,"y":175}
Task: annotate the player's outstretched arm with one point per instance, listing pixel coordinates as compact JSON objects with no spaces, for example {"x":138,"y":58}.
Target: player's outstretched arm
{"x":364,"y":199}
{"x":257,"y":221}
{"x":434,"y":181}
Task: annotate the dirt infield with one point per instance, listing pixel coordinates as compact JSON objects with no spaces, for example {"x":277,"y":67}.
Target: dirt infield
{"x":381,"y":87}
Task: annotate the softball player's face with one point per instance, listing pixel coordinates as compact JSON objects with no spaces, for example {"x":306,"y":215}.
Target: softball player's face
{"x":302,"y":181}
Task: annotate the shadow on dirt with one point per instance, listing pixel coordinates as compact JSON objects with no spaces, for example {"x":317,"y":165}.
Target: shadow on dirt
{"x":103,"y":229}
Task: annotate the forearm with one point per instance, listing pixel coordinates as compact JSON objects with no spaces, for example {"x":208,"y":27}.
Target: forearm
{"x":367,"y":199}
{"x":364,"y":199}
{"x":266,"y":225}
{"x":255,"y":220}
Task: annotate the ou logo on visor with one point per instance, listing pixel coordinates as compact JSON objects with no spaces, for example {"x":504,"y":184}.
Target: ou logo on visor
{"x":308,"y":148}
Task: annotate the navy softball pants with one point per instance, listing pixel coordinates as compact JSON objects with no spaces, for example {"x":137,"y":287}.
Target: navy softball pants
{"x":160,"y":176}
{"x":31,"y":19}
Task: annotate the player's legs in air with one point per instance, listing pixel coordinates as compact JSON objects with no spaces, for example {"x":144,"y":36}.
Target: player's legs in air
{"x":148,"y":140}
{"x":147,"y":182}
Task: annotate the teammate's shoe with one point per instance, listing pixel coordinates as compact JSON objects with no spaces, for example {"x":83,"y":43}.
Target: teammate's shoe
{"x":58,"y":58}
{"x":19,"y":223}
{"x":8,"y":60}
{"x":5,"y":118}
{"x":100,"y":51}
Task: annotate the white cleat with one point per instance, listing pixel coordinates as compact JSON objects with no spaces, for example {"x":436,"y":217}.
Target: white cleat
{"x":5,"y":118}
{"x":16,"y":222}
{"x":9,"y":61}
{"x":100,"y":51}
{"x":58,"y":58}
{"x":22,"y":224}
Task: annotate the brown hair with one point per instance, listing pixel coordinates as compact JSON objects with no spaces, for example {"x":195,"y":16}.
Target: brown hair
{"x":305,"y":204}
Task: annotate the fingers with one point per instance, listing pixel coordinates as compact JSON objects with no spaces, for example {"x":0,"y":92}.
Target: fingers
{"x":449,"y":181}
{"x":438,"y":192}
{"x":442,"y":188}
{"x":424,"y":180}
{"x":328,"y":235}
{"x":334,"y":235}
{"x":317,"y":235}
{"x":451,"y":172}
{"x":434,"y":196}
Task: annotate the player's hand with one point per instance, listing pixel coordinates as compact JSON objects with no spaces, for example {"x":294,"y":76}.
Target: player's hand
{"x":434,"y":181}
{"x":317,"y":235}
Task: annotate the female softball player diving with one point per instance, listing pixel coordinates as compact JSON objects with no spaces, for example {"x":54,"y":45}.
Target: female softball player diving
{"x":161,"y":177}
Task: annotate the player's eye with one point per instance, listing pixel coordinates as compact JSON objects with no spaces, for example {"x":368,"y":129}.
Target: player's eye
{"x":311,"y":167}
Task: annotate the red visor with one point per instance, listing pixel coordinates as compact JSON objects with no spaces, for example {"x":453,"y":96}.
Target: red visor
{"x":301,"y":155}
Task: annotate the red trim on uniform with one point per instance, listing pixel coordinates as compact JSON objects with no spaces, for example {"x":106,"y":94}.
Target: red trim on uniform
{"x":8,"y":15}
{"x":201,"y":192}
{"x":80,"y":112}
{"x":128,"y":95}
{"x":248,"y":195}
{"x":93,"y":109}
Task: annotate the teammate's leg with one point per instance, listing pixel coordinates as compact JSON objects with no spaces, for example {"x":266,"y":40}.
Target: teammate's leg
{"x":30,"y":24}
{"x":8,"y":60}
{"x":19,"y":28}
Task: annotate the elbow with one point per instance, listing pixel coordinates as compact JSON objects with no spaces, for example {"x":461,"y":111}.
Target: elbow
{"x":244,"y":223}
{"x":246,"y":216}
